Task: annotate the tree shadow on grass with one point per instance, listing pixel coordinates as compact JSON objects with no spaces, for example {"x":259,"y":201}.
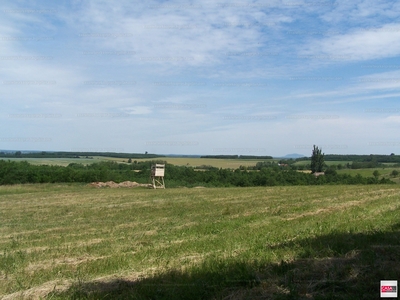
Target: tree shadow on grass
{"x":334,"y":266}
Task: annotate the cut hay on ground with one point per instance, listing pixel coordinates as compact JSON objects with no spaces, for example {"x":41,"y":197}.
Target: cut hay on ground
{"x":112,"y":184}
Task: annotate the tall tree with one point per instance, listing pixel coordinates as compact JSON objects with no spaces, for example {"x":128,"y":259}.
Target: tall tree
{"x":317,"y":160}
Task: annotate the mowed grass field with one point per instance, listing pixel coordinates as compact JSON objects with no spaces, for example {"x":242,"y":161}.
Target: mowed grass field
{"x":312,"y":242}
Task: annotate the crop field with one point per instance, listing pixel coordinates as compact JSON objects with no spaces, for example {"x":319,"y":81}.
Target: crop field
{"x":313,"y":242}
{"x":196,"y":162}
{"x":180,"y":161}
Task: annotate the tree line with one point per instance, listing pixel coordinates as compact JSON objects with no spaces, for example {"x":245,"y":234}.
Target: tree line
{"x":12,"y":172}
{"x":44,"y":154}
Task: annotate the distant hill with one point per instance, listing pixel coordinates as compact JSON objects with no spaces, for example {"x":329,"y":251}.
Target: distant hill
{"x":293,"y":155}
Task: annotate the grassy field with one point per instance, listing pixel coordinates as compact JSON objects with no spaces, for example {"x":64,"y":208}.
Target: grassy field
{"x":180,"y":161}
{"x":62,"y":161}
{"x":367,"y":172}
{"x":219,"y":163}
{"x":328,"y":163}
{"x":383,"y":172}
{"x":77,"y":242}
{"x":196,"y":162}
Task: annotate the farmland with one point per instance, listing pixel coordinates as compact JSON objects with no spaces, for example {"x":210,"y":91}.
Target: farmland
{"x":328,"y":163}
{"x":73,"y":241}
{"x":60,"y":161}
{"x":383,"y":172}
{"x":179,"y":161}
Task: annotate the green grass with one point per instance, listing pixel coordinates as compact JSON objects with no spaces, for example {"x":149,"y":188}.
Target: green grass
{"x":76,"y":242}
{"x":367,"y":172}
{"x":383,"y":172}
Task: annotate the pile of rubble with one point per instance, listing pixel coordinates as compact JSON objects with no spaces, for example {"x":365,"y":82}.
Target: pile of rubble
{"x":112,"y":184}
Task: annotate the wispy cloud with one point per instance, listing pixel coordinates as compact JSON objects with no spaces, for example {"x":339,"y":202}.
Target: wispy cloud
{"x":361,"y":44}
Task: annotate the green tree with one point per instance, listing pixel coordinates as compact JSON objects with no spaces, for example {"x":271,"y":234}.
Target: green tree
{"x":394,"y":173}
{"x":331,"y":171}
{"x":376,"y":174}
{"x":317,"y":160}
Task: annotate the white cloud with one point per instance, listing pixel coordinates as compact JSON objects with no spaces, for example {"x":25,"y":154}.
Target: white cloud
{"x":393,"y":120}
{"x":361,"y":12}
{"x":193,"y":37}
{"x":360,"y":44}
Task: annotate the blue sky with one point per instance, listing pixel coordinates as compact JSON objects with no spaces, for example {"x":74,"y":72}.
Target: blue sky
{"x":248,"y":78}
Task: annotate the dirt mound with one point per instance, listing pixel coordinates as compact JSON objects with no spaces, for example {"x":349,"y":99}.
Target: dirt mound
{"x":112,"y":184}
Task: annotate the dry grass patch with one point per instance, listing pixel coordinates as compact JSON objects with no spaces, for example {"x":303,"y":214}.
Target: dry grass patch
{"x":70,"y":261}
{"x":40,"y":292}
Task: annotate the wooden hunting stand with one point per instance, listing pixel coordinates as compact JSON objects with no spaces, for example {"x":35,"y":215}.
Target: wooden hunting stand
{"x":157,"y":176}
